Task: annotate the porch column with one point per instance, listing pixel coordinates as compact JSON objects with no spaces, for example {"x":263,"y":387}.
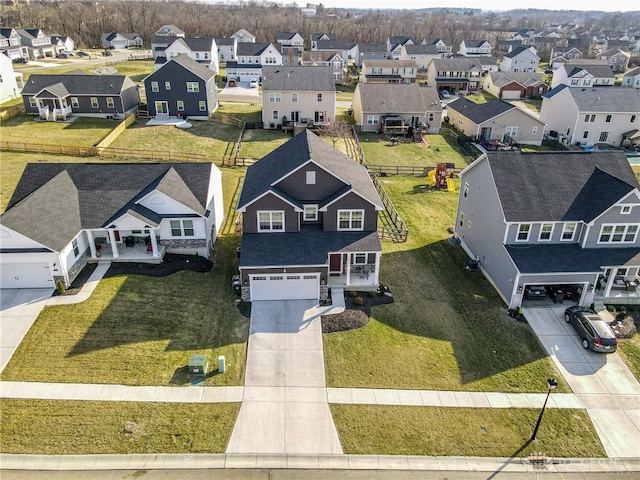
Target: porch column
{"x":112,"y":240}
{"x":612,"y":277}
{"x":376,"y":276}
{"x":92,"y":244}
{"x":154,"y":244}
{"x":348,"y":269}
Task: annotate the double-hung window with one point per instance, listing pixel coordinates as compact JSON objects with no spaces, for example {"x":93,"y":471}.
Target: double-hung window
{"x":546,"y":229}
{"x":294,"y":97}
{"x":523,"y":232}
{"x":180,"y":105}
{"x":154,"y":87}
{"x":618,"y":233}
{"x":319,"y":97}
{"x":350,"y":220}
{"x":568,"y":231}
{"x":310,"y":213}
{"x":74,"y":102}
{"x":167,"y":85}
{"x":373,"y":119}
{"x":110,"y":103}
{"x":182,"y":228}
{"x":94,"y":102}
{"x":76,"y":249}
{"x":275,"y":97}
{"x":511,"y":131}
{"x":271,"y":221}
{"x":193,"y":87}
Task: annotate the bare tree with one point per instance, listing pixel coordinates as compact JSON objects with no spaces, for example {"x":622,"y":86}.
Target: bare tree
{"x":335,"y":130}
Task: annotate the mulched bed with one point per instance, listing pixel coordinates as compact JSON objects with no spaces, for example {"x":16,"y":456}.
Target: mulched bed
{"x":626,"y":321}
{"x":354,"y":316}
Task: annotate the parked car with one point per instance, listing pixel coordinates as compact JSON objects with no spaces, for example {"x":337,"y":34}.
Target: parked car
{"x":592,"y":329}
{"x":107,"y":53}
{"x":445,"y":94}
{"x":83,"y":54}
{"x":20,"y":60}
{"x":535,"y":291}
{"x":548,"y":71}
{"x":253,"y":83}
{"x":232,"y":83}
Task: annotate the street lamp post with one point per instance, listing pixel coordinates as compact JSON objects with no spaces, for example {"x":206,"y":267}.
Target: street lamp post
{"x":552,"y":383}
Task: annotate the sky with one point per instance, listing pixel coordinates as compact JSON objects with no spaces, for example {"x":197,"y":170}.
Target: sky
{"x":498,"y":5}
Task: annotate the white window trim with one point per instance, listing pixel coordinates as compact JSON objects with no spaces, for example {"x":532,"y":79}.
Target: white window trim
{"x":180,"y":105}
{"x":350,"y":228}
{"x":94,"y":104}
{"x":564,"y":230}
{"x":110,"y":102}
{"x":315,"y":212}
{"x":624,"y":234}
{"x":271,"y":213}
{"x":520,"y":225}
{"x":193,"y":87}
{"x":74,"y":102}
{"x":355,"y":258}
{"x":625,"y":209}
{"x":540,"y":239}
{"x":310,"y":177}
{"x":155,"y":87}
{"x":182,"y":228}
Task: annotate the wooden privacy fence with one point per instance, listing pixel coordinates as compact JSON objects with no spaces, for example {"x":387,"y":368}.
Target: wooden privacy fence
{"x":386,"y":170}
{"x":54,"y":149}
{"x":158,"y":155}
{"x":399,"y":232}
{"x":11,"y":112}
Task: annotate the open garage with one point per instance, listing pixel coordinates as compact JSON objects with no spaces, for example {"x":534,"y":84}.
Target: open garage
{"x":283,"y":286}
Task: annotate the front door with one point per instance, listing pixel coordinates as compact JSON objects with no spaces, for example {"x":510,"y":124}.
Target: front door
{"x":162,"y":108}
{"x":335,"y":263}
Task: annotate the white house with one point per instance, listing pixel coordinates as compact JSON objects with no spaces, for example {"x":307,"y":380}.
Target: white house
{"x":632,"y":78}
{"x":475,"y":48}
{"x":201,"y":49}
{"x":57,"y":220}
{"x":62,"y":43}
{"x":8,"y":83}
{"x":520,"y":59}
{"x":251,"y":57}
{"x":583,"y":73}
{"x":421,"y":54}
{"x":243,"y":36}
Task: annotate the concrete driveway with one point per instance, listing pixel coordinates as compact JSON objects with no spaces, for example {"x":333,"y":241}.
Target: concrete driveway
{"x":285,"y":408}
{"x":19,"y":308}
{"x":602,"y":382}
{"x":242,"y":93}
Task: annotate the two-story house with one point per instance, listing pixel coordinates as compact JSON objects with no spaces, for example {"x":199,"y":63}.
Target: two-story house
{"x":389,"y":71}
{"x":299,"y":94}
{"x":164,"y":37}
{"x":583,"y":73}
{"x":421,"y":54}
{"x":395,"y":44}
{"x":181,"y":87}
{"x":589,"y":116}
{"x":8,"y":82}
{"x":62,"y":43}
{"x":369,"y":51}
{"x":57,"y":97}
{"x":445,"y":48}
{"x":170,"y":30}
{"x":561,"y":55}
{"x":632,"y":78}
{"x":618,"y":60}
{"x":243,"y":36}
{"x":251,"y":58}
{"x":347,"y":49}
{"x":11,"y":45}
{"x":459,"y":74}
{"x":520,"y":59}
{"x":203,"y":50}
{"x":475,"y":48}
{"x":309,"y":223}
{"x":38,"y":44}
{"x":396,"y":109}
{"x":64,"y":215}
{"x":573,"y":220}
{"x":227,"y":48}
{"x":326,"y":59}
{"x":294,"y":40}
{"x":315,"y":37}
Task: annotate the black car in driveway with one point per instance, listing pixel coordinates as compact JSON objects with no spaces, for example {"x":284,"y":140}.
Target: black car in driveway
{"x":592,"y":329}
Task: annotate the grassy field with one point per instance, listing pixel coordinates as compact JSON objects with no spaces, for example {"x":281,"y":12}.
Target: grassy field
{"x":83,"y":132}
{"x":137,"y":70}
{"x":482,"y":432}
{"x":447,"y":329}
{"x":52,"y":427}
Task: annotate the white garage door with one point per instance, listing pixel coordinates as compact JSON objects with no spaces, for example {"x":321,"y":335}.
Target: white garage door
{"x":285,"y":286}
{"x":25,"y":275}
{"x":511,"y":94}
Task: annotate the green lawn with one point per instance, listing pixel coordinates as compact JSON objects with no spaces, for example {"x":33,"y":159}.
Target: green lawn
{"x":482,"y":432}
{"x":258,"y":143}
{"x":83,"y":132}
{"x":448,"y":329}
{"x":70,"y":427}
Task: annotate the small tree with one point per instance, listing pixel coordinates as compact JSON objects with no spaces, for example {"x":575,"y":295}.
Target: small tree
{"x":60,"y":287}
{"x":335,"y":130}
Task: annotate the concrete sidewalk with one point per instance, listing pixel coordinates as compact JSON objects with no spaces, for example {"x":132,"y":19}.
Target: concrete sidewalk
{"x":86,"y":290}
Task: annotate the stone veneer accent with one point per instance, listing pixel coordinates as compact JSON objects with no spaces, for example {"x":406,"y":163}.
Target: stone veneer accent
{"x":76,"y":267}
{"x":184,"y":242}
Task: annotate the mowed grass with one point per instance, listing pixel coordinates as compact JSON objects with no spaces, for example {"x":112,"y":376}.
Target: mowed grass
{"x":258,"y":143}
{"x":141,"y":330}
{"x":629,"y":351}
{"x":54,"y":427}
{"x":447,"y":329}
{"x":83,"y":132}
{"x":482,"y":432}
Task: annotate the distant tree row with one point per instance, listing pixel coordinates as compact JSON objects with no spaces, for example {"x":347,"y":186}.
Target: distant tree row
{"x":86,"y":21}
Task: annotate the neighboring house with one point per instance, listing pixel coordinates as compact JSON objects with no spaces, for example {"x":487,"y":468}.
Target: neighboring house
{"x":57,"y":97}
{"x":291,"y":39}
{"x":496,"y":121}
{"x":514,"y":86}
{"x":37,"y":43}
{"x":444,"y":46}
{"x":583,"y":73}
{"x":506,"y":45}
{"x":525,"y":36}
{"x":11,"y":45}
{"x":421,"y":54}
{"x":347,"y":49}
{"x":474,"y":48}
{"x":326,"y":59}
{"x":182,"y":87}
{"x":588,"y":116}
{"x":62,"y":43}
{"x":203,"y":50}
{"x":162,"y":39}
{"x":632,"y":78}
{"x":369,"y":51}
{"x":309,"y":222}
{"x":227,"y":48}
{"x":251,"y":58}
{"x":121,"y":40}
{"x":520,"y":59}
{"x":170,"y":31}
{"x":8,"y":83}
{"x":396,"y":109}
{"x":634,"y":43}
{"x":395,"y":44}
{"x":315,"y":37}
{"x":63,"y":215}
{"x":309,"y":11}
{"x":459,"y":74}
{"x":389,"y":71}
{"x":551,"y":218}
{"x":244,"y":36}
{"x":561,"y":55}
{"x":618,"y":60}
{"x":298,"y":95}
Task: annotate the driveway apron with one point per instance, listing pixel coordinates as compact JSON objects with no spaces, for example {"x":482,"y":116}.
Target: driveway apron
{"x":602,"y":382}
{"x":285,"y":408}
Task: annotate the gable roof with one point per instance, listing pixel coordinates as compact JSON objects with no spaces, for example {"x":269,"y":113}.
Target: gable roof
{"x":381,"y":63}
{"x":385,"y":98}
{"x":461,"y":64}
{"x":79,"y":84}
{"x":168,"y":30}
{"x":286,"y":35}
{"x":601,"y":99}
{"x":304,"y":147}
{"x":479,"y":113}
{"x":189,"y":64}
{"x":560,"y":186}
{"x":300,"y":78}
{"x":372,"y":48}
{"x":596,"y":68}
{"x":255,"y":49}
{"x":517,"y":51}
{"x":320,"y":56}
{"x":633,"y":73}
{"x":474,"y":43}
{"x":501,"y":79}
{"x":53,"y":202}
{"x":613,"y":51}
{"x":200,"y":44}
{"x":420,"y":49}
{"x":336,"y":45}
{"x":319,"y":36}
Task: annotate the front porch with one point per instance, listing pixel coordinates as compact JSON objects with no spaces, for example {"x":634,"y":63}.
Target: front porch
{"x":139,"y":252}
{"x":619,"y":289}
{"x":354,"y":270}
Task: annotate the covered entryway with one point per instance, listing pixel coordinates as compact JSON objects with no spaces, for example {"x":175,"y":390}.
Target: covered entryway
{"x":25,"y":275}
{"x":285,"y":286}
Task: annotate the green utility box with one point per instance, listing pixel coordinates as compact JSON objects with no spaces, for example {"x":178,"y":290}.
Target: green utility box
{"x":198,"y":365}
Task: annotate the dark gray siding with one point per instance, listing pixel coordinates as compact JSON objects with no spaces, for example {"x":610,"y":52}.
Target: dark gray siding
{"x":351,"y":201}
{"x":120,"y":104}
{"x":245,"y":272}
{"x":269,"y":202}
{"x":295,"y":184}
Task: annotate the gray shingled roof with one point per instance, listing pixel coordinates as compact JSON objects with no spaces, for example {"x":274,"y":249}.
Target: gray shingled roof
{"x":254,"y":48}
{"x":372,"y":47}
{"x":53,"y":202}
{"x":200,"y":44}
{"x":420,"y":49}
{"x":77,"y":84}
{"x":525,"y":79}
{"x":633,"y":73}
{"x":385,"y":98}
{"x":298,"y":78}
{"x":559,"y":186}
{"x":479,"y":113}
{"x":336,"y":45}
{"x":474,"y":43}
{"x":320,"y":56}
{"x":318,"y":36}
{"x":190,"y":64}
{"x":296,"y":152}
{"x":376,"y":62}
{"x":225,"y":40}
{"x":606,"y":99}
{"x":459,"y":64}
{"x":516,"y":51}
